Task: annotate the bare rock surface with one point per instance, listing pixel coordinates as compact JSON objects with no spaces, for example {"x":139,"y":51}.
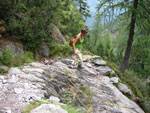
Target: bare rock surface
{"x":37,"y":81}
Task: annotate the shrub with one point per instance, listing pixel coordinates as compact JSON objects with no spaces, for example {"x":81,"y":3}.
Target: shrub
{"x":61,"y":50}
{"x":10,"y":59}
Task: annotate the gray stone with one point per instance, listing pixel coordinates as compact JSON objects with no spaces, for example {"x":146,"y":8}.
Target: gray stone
{"x":57,"y":35}
{"x":26,"y":86}
{"x":18,"y":90}
{"x":95,"y":57}
{"x":99,"y":62}
{"x":124,"y":88}
{"x":54,"y":99}
{"x":4,"y":81}
{"x":12,"y":79}
{"x":37,"y":64}
{"x":44,"y":50}
{"x":88,"y":65}
{"x":1,"y":85}
{"x":114,"y":79}
{"x":67,"y":61}
{"x":5,"y":110}
{"x":104,"y":70}
{"x":5,"y":68}
{"x":148,"y":80}
{"x":13,"y":71}
{"x":31,"y":77}
{"x":2,"y":77}
{"x":88,"y":71}
{"x":32,"y":69}
{"x":48,"y":108}
{"x":13,"y":46}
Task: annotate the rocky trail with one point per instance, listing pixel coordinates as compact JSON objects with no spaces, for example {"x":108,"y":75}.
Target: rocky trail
{"x":89,"y":86}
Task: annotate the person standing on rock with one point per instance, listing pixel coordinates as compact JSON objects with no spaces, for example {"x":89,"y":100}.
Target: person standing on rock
{"x":77,"y":45}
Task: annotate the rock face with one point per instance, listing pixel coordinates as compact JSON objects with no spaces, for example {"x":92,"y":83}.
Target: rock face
{"x":13,"y":46}
{"x":87,"y":86}
{"x":44,"y":50}
{"x":57,"y":35}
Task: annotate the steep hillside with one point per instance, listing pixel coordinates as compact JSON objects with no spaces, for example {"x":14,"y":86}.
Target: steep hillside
{"x":90,"y":88}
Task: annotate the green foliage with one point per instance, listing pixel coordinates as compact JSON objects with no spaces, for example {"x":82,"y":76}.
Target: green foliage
{"x":28,"y":57}
{"x":8,"y":58}
{"x":86,"y":91}
{"x":140,"y":55}
{"x":30,"y":22}
{"x":33,"y":104}
{"x":61,"y":50}
{"x":137,"y":84}
{"x":71,"y":109}
{"x":3,"y":70}
{"x":83,"y":8}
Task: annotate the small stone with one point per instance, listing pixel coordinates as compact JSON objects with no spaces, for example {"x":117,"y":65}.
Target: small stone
{"x":5,"y":68}
{"x":26,"y":85}
{"x":67,"y":61}
{"x":13,"y":79}
{"x":114,"y":79}
{"x":99,"y":62}
{"x":18,"y":90}
{"x":89,"y":65}
{"x":87,"y":71}
{"x":4,"y":81}
{"x":1,"y":77}
{"x":5,"y":110}
{"x":124,"y":88}
{"x":54,"y":99}
{"x":1,"y":85}
{"x":95,"y":57}
{"x":46,"y":62}
{"x":14,"y":71}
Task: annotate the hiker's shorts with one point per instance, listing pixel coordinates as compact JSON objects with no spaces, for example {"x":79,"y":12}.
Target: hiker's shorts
{"x":78,"y":58}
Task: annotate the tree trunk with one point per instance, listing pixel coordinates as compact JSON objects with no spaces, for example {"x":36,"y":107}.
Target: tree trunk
{"x":124,"y":64}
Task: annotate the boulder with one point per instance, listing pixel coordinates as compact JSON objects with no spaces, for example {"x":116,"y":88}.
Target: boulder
{"x":44,"y":50}
{"x":104,"y":70}
{"x":17,"y":48}
{"x":48,"y":108}
{"x":5,"y":68}
{"x":99,"y":62}
{"x":114,"y":79}
{"x":57,"y":35}
{"x":124,"y":88}
{"x":95,"y":57}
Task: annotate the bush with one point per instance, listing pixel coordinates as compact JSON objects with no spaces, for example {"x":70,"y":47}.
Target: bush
{"x":62,"y":50}
{"x":10,"y":59}
{"x":7,"y":57}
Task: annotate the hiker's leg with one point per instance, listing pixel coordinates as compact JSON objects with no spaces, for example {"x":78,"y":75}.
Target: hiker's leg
{"x":80,"y":59}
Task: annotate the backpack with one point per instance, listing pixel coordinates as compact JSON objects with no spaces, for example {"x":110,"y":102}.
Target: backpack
{"x":72,"y":40}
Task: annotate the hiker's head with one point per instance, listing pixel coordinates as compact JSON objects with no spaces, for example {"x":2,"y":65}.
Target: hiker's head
{"x":84,"y":31}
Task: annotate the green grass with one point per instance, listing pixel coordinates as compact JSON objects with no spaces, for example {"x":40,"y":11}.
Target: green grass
{"x":61,"y":50}
{"x":33,"y":104}
{"x":9,"y":59}
{"x":71,"y":109}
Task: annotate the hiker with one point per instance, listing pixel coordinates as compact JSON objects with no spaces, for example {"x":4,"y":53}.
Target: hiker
{"x":77,"y":45}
